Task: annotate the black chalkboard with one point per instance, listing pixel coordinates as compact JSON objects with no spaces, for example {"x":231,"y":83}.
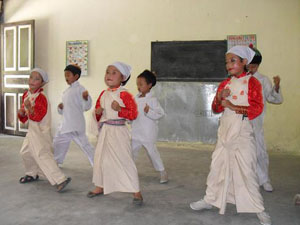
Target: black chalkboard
{"x":189,"y":60}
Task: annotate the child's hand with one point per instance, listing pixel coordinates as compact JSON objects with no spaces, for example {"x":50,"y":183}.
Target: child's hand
{"x":146,"y":109}
{"x":116,"y":106}
{"x":27,"y":103}
{"x":21,"y":112}
{"x":276,"y":80}
{"x":61,"y":106}
{"x":28,"y":106}
{"x":99,"y":111}
{"x":222,"y":94}
{"x":227,"y":104}
{"x":85,"y":95}
{"x":225,"y":93}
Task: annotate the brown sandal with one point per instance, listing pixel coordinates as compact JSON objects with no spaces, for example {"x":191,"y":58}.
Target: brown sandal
{"x":61,"y":186}
{"x":91,"y":194}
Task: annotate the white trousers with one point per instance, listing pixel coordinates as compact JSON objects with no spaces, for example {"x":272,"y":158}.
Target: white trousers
{"x":152,"y":152}
{"x":38,"y":160}
{"x":62,"y":142}
{"x":261,"y":151}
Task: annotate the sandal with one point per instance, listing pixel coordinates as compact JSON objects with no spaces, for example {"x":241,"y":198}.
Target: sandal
{"x":61,"y":186}
{"x":28,"y":179}
{"x":91,"y":194}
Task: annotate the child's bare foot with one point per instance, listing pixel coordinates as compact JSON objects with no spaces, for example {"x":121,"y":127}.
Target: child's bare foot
{"x":97,"y":191}
{"x":137,"y":198}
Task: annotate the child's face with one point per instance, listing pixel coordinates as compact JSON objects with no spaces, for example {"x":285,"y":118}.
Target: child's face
{"x":252,"y":68}
{"x":234,"y":65}
{"x":142,"y":85}
{"x":70,"y":77}
{"x":35,"y":81}
{"x":113,"y":77}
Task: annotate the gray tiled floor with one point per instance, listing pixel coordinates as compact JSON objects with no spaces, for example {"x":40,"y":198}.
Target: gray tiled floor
{"x":38,"y":204}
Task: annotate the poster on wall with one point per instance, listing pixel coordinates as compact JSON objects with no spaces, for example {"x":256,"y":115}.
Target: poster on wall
{"x":233,"y":40}
{"x":77,"y":53}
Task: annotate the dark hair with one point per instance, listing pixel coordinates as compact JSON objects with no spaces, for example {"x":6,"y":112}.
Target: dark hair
{"x":257,"y":57}
{"x":125,"y":81}
{"x":149,"y":77}
{"x":75,"y":69}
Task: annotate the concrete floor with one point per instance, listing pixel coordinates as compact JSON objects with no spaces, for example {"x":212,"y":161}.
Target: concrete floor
{"x":38,"y":204}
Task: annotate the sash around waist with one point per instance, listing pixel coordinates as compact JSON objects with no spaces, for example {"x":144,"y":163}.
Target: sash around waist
{"x":116,"y":122}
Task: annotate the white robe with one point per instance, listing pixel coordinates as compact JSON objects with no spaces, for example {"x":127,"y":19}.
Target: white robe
{"x":114,"y":169}
{"x":271,"y":96}
{"x":232,"y":177}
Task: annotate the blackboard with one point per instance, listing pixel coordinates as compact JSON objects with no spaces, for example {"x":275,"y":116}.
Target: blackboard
{"x":189,"y":60}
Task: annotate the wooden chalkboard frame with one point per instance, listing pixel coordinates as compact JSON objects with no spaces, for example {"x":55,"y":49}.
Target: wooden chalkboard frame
{"x":202,"y":61}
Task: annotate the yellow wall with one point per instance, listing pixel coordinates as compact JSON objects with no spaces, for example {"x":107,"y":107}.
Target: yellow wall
{"x":123,"y":30}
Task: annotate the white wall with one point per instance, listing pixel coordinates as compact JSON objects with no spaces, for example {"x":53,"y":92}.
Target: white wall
{"x":123,"y":30}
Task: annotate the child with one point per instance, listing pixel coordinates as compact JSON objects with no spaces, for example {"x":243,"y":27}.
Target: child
{"x":75,"y":101}
{"x":232,"y":177}
{"x":114,"y":169}
{"x":271,"y":95}
{"x":36,"y":151}
{"x":144,"y":128}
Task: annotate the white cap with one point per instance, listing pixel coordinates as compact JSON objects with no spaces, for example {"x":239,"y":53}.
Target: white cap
{"x":42,"y":73}
{"x":124,"y":69}
{"x":242,"y":51}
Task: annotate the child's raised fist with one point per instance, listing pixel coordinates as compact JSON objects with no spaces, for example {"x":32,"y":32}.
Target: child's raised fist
{"x":225,"y":93}
{"x":276,"y":80}
{"x":146,"y":109}
{"x":85,"y":95}
{"x":116,"y":106}
{"x":99,"y":111}
{"x":27,"y":103}
{"x":61,"y":106}
{"x":21,"y":112}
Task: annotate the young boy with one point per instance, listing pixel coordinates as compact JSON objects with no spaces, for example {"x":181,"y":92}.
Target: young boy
{"x":144,"y":127}
{"x":36,"y":150}
{"x":75,"y":101}
{"x":271,"y":95}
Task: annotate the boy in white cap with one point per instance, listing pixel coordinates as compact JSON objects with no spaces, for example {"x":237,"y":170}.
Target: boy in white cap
{"x":145,"y":126}
{"x":232,"y":177}
{"x":75,"y":101}
{"x":271,"y":95}
{"x":114,"y":169}
{"x":36,"y":151}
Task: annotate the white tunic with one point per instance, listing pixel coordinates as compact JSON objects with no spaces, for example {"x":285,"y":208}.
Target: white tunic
{"x":74,"y":107}
{"x":271,"y":96}
{"x":145,"y":126}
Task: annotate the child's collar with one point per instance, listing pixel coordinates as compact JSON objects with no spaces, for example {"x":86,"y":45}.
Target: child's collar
{"x":113,"y":89}
{"x":241,"y":75}
{"x":37,"y":90}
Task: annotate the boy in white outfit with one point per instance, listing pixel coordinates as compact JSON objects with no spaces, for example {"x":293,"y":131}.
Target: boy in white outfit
{"x":271,"y":95}
{"x":144,"y":127}
{"x":75,"y":101}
